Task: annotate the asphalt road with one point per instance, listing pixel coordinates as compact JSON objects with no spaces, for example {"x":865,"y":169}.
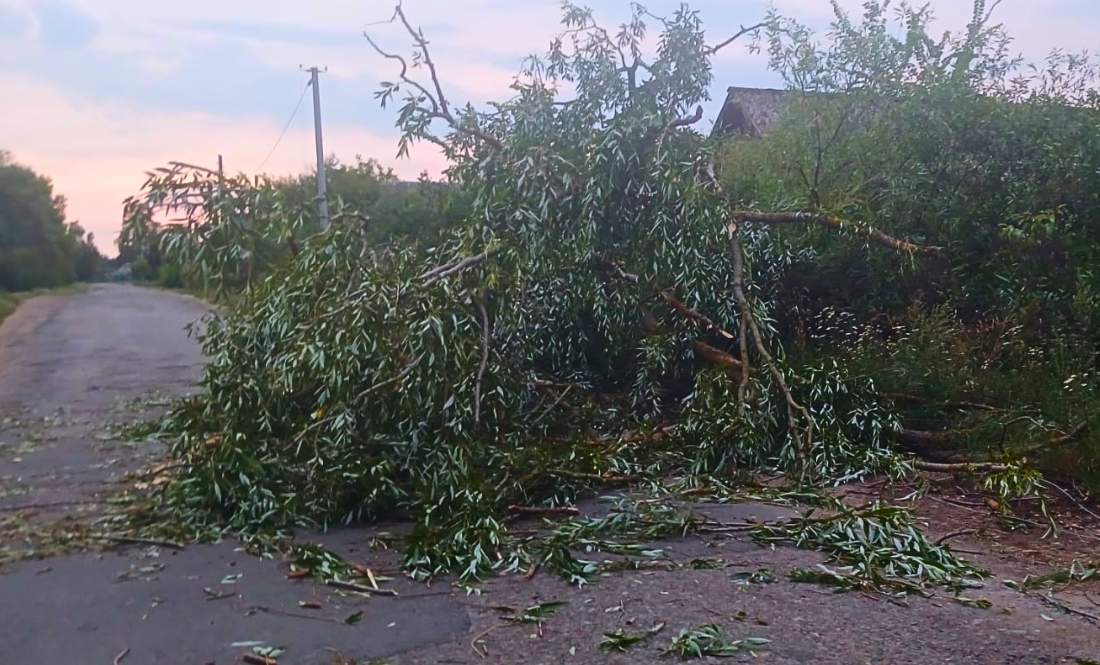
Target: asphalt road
{"x":72,"y":368}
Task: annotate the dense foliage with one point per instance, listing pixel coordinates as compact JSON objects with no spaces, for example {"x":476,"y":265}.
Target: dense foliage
{"x":612,"y":307}
{"x":38,"y":249}
{"x":960,"y":145}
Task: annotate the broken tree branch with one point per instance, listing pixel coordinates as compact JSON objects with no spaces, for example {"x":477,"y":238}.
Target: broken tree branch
{"x":955,"y":534}
{"x":793,"y":407}
{"x":780,"y":218}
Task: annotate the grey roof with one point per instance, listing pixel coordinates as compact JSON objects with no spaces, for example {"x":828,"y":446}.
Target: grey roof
{"x":753,"y":112}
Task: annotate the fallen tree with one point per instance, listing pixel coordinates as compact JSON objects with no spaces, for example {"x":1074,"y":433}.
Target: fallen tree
{"x":606,"y":286}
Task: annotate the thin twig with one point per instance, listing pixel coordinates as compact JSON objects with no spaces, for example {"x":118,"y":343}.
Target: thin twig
{"x":211,"y":595}
{"x":1065,"y":608}
{"x":1070,"y":497}
{"x":692,"y":314}
{"x":358,"y":588}
{"x":405,"y":371}
{"x":954,"y":534}
{"x":473,"y":642}
{"x":127,"y":540}
{"x":122,"y":654}
{"x":423,"y":44}
{"x":296,"y":615}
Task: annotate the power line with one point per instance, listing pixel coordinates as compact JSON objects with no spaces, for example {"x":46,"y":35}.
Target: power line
{"x":290,"y":120}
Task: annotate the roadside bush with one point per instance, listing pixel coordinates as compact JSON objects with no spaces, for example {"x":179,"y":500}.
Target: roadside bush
{"x":170,"y":276}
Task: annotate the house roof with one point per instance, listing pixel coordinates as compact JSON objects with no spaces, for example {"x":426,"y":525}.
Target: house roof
{"x":753,"y":112}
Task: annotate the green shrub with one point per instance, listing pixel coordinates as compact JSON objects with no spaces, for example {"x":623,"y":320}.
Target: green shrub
{"x":170,"y":276}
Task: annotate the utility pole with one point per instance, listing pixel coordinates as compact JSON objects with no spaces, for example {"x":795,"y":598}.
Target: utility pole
{"x":322,"y":195}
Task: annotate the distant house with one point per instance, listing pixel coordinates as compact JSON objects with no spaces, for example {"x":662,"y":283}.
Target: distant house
{"x":750,"y":112}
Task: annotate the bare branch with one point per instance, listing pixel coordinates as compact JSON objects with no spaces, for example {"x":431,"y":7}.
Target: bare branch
{"x":440,"y":107}
{"x":711,"y":50}
{"x":404,"y":74}
{"x":779,"y":218}
{"x":423,"y":44}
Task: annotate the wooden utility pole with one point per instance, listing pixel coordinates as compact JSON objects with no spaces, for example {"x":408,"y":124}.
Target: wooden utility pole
{"x":322,"y":184}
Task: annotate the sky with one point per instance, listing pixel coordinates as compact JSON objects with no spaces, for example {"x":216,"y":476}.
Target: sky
{"x":93,"y":93}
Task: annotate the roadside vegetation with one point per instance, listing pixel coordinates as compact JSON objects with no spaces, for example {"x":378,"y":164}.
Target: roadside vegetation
{"x":899,"y":280}
{"x":39,"y":248}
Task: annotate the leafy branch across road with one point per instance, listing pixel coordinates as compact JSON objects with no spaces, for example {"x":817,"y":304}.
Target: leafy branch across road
{"x":611,"y":312}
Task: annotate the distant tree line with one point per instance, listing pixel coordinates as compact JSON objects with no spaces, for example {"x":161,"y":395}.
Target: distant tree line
{"x":392,"y":210}
{"x":38,"y":247}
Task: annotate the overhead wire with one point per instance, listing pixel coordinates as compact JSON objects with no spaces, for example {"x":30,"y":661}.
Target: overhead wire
{"x":279,"y":140}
